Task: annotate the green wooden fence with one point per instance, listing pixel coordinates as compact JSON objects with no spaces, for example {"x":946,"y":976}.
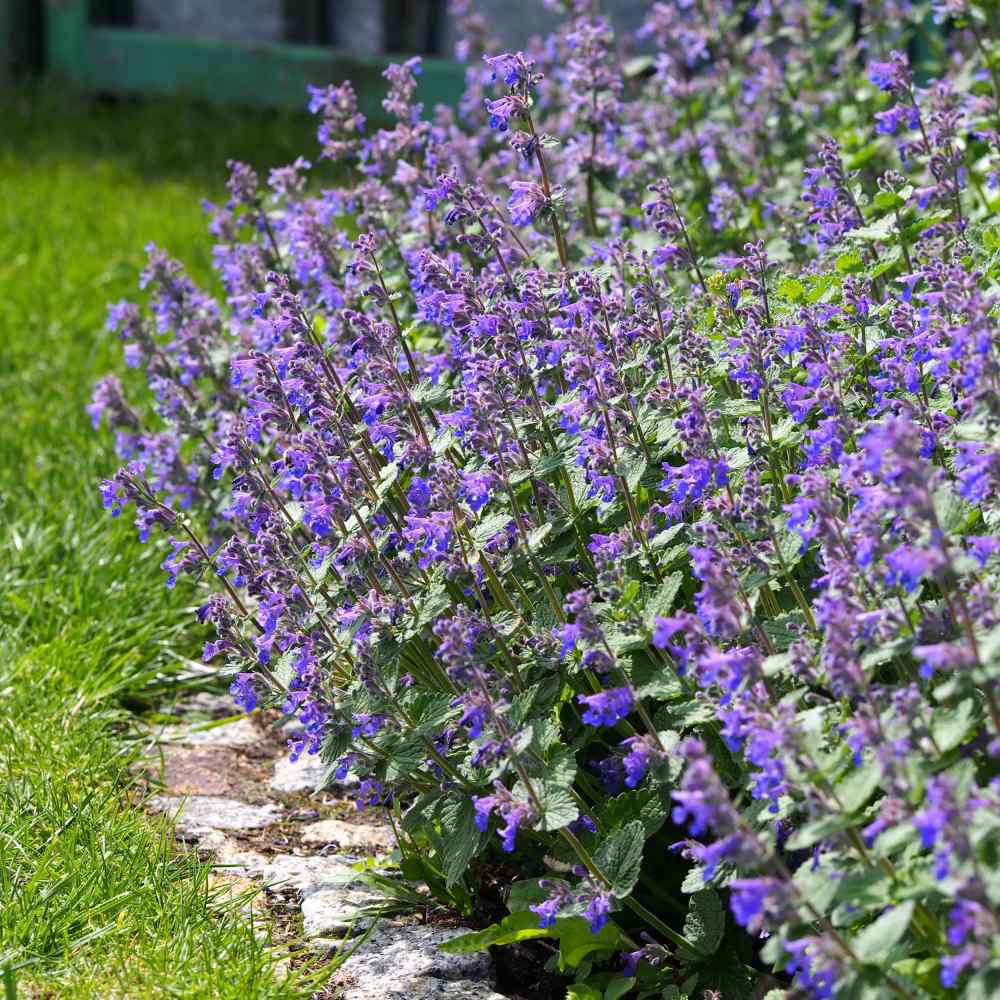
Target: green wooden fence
{"x":127,"y":60}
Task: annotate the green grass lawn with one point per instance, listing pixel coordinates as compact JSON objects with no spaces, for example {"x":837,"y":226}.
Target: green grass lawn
{"x":94,"y":902}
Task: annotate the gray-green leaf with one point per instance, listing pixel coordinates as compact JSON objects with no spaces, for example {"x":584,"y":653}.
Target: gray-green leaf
{"x":705,"y":922}
{"x":619,"y":858}
{"x":875,"y":943}
{"x":461,"y":837}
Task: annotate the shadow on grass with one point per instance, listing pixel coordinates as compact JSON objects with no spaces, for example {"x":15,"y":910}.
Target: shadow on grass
{"x":157,"y":138}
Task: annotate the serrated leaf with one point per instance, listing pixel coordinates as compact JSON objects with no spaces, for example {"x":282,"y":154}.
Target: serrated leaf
{"x":778,"y":631}
{"x":882,"y":229}
{"x":619,"y":857}
{"x":538,"y":535}
{"x":817,"y":830}
{"x":695,"y":879}
{"x":632,"y":470}
{"x":875,"y":943}
{"x":705,"y":922}
{"x":416,"y":815}
{"x":791,"y":289}
{"x":524,"y":893}
{"x":406,"y":753}
{"x":430,"y":712}
{"x":489,"y":526}
{"x":951,"y":727}
{"x":687,"y":714}
{"x":433,"y":604}
{"x":647,"y":807}
{"x":461,"y":837}
{"x":855,"y":790}
{"x":662,"y":599}
{"x":862,"y":896}
{"x":559,"y":808}
{"x":728,"y":979}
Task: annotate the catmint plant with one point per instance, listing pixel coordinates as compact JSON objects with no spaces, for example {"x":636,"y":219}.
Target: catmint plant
{"x":606,"y":473}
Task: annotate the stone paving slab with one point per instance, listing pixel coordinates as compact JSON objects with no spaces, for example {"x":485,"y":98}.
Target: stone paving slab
{"x":398,"y":952}
{"x":240,"y":733}
{"x":221,"y":789}
{"x":219,"y":771}
{"x":421,"y":988}
{"x":333,"y":912}
{"x":347,"y":835}
{"x":207,"y":812}
{"x":307,"y":774}
{"x":309,"y":874}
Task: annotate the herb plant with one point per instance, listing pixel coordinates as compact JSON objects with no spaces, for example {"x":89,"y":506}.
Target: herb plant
{"x":607,"y":474}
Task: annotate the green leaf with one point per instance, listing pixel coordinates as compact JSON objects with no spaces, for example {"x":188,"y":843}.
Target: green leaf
{"x":576,"y":941}
{"x":861,"y":894}
{"x":888,"y":199}
{"x":662,"y":600}
{"x":407,"y":753}
{"x":778,"y":631}
{"x":686,"y":714}
{"x":855,"y":790}
{"x":953,"y":726}
{"x":667,"y":535}
{"x":521,"y":926}
{"x":538,"y":535}
{"x":524,"y":893}
{"x":430,"y":712}
{"x":875,"y":943}
{"x":416,"y":816}
{"x":617,"y":988}
{"x":581,"y":991}
{"x":850,"y":261}
{"x":791,"y":289}
{"x":488,"y":527}
{"x":632,"y":469}
{"x":882,"y":229}
{"x":646,"y":806}
{"x":818,"y":885}
{"x":705,"y":922}
{"x":461,"y":837}
{"x":559,"y":808}
{"x":431,"y":605}
{"x":619,"y":858}
{"x":817,"y":830}
{"x":637,"y":66}
{"x":727,"y":979}
{"x":984,"y":985}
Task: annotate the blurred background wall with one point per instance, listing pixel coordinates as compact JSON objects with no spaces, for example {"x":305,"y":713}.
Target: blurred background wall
{"x":261,"y":52}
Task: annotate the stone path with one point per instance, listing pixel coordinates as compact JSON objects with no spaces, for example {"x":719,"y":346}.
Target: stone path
{"x":241,"y":803}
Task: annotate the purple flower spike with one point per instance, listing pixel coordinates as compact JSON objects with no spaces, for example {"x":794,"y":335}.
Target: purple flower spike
{"x":607,"y":707}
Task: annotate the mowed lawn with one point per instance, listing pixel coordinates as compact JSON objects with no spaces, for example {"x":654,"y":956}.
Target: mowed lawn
{"x":94,"y":901}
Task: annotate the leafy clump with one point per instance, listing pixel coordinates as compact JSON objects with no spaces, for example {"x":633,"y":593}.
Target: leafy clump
{"x":608,"y":476}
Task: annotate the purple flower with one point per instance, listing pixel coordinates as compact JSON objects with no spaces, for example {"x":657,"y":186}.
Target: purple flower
{"x":761,"y":903}
{"x":607,"y":707}
{"x":598,"y":910}
{"x":512,"y":812}
{"x":559,"y":897}
{"x":642,"y":754}
{"x":945,"y":656}
{"x":243,"y":691}
{"x":526,"y":198}
{"x":892,"y":76}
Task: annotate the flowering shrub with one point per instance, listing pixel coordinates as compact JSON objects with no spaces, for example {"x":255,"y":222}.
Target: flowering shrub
{"x":607,"y":474}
